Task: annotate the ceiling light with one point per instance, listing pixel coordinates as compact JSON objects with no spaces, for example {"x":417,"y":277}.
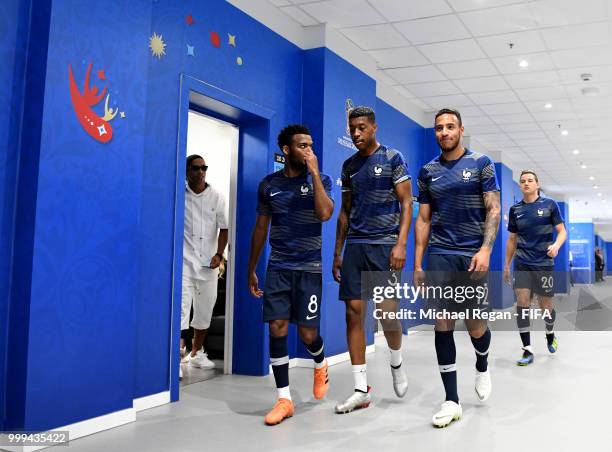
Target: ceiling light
{"x":591,"y":178}
{"x":524,"y":63}
{"x":595,"y":187}
{"x":583,"y":166}
{"x":564,"y":133}
{"x":598,"y":194}
{"x":590,"y":91}
{"x":548,"y":105}
{"x":604,"y":200}
{"x":575,"y":152}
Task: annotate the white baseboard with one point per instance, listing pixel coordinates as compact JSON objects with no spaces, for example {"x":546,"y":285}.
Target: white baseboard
{"x":331,"y":360}
{"x":87,"y":427}
{"x":144,"y":403}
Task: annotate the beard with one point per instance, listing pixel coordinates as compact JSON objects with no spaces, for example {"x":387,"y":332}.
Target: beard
{"x":448,"y":145}
{"x":296,"y":162}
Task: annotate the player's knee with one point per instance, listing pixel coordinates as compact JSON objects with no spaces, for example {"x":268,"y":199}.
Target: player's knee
{"x":354,"y":313}
{"x":390,"y":325}
{"x":308,"y":335}
{"x":279,"y":328}
{"x":477,"y":331}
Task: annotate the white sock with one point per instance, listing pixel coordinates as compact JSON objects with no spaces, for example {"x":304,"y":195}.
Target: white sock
{"x":529,"y":349}
{"x":321,"y":365}
{"x":396,"y":357}
{"x":361,"y":378}
{"x":284,"y":393}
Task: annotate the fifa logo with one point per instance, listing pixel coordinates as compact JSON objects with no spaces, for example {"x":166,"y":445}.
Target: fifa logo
{"x":377,"y":170}
{"x":540,"y":212}
{"x":304,"y":189}
{"x":348,"y":107}
{"x":466,"y":175}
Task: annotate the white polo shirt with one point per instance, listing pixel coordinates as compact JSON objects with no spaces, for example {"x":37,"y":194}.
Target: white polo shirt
{"x":204,"y":216}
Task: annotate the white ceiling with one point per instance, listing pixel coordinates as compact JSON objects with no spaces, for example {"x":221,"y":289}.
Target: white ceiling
{"x":456,"y":53}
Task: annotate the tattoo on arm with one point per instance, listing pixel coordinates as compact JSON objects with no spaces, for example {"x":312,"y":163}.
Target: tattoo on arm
{"x":492,"y":204}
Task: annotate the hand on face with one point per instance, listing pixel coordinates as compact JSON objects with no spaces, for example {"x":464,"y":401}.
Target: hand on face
{"x":311,"y":161}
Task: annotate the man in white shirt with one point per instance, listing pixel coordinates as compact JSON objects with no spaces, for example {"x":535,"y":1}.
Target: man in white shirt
{"x":205,"y":238}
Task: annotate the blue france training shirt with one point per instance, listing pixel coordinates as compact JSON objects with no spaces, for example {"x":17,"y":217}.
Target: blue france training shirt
{"x":295,"y":232}
{"x":534,"y":224}
{"x":375,"y":209}
{"x":454,"y":190}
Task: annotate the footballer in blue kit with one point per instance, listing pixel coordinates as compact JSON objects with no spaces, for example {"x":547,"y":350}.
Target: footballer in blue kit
{"x":532,"y":223}
{"x":374,"y":221}
{"x":292,"y":203}
{"x":459,"y":214}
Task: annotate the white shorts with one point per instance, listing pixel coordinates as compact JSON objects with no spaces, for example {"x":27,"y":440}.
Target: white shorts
{"x":202,"y":295}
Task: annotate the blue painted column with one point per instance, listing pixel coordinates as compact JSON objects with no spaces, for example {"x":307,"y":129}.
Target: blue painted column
{"x":561,"y":267}
{"x":582,"y":247}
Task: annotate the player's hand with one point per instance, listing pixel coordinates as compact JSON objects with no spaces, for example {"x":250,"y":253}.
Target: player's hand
{"x":418,"y":277}
{"x":311,"y":162}
{"x":552,"y":250}
{"x":397,"y":259}
{"x":215,"y":261}
{"x":507,"y":275}
{"x":336,"y":268}
{"x":480,"y":264}
{"x":254,"y":286}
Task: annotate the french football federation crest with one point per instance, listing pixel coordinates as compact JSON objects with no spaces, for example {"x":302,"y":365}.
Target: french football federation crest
{"x":377,"y":170}
{"x":466,"y":175}
{"x":540,"y":212}
{"x":304,"y":189}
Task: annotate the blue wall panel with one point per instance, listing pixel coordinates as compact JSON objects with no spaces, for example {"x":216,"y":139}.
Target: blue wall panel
{"x":582,"y":246}
{"x":85,"y":261}
{"x":608,"y":256}
{"x":502,"y":293}
{"x":561,"y":268}
{"x":14,"y":22}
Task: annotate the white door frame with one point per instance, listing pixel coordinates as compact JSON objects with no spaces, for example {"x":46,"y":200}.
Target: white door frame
{"x":228,"y":339}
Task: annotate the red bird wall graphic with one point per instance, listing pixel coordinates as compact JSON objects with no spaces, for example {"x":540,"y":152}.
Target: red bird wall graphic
{"x":97,"y":127}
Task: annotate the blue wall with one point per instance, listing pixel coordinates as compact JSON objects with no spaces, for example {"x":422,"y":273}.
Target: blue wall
{"x":503,"y":296}
{"x":561,"y":267}
{"x":582,"y":246}
{"x":14,"y":22}
{"x":608,"y":256}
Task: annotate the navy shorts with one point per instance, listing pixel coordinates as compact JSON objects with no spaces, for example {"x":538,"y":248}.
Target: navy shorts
{"x":539,"y":280}
{"x":364,"y":257}
{"x":293,"y":295}
{"x":451,"y":286}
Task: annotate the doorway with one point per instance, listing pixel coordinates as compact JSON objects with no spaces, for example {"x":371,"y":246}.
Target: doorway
{"x":217,"y":142}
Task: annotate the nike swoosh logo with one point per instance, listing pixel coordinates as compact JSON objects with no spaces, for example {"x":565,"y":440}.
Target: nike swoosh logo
{"x":444,"y":369}
{"x":433,"y":179}
{"x":311,"y":317}
{"x":274,"y":194}
{"x":353,"y":175}
{"x":519,"y":216}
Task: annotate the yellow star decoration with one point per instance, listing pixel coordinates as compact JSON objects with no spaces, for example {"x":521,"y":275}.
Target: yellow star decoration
{"x":122,"y":114}
{"x":231,"y":40}
{"x":157,"y":45}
